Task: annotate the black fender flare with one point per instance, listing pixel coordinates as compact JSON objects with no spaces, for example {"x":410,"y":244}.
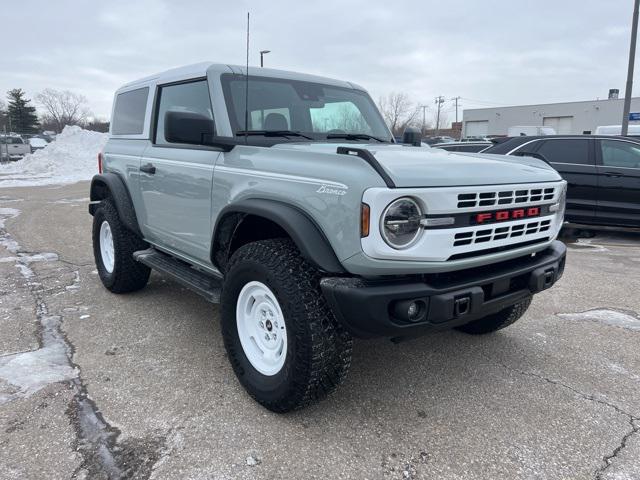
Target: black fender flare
{"x":304,"y":232}
{"x":112,"y":185}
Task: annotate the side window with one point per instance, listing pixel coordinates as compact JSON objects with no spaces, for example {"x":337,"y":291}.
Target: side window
{"x":566,"y":151}
{"x":620,"y":154}
{"x":192,"y":97}
{"x":128,"y":116}
{"x":468,"y":148}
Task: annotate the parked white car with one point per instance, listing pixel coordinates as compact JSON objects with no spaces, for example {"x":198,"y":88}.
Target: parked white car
{"x":617,"y":130}
{"x":37,"y":143}
{"x":13,"y":147}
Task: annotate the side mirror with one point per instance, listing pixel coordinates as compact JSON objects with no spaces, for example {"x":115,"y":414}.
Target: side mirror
{"x":412,"y":136}
{"x":187,"y":127}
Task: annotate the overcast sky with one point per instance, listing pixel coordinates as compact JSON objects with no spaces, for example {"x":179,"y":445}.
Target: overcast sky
{"x":491,"y":52}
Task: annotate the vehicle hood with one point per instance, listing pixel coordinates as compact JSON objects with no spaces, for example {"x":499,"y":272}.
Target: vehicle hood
{"x":410,"y":166}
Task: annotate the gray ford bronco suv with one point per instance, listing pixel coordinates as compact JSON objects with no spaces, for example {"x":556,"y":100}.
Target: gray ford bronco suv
{"x":283,"y":197}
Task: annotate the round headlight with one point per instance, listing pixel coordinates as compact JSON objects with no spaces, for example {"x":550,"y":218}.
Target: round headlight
{"x":400,"y":223}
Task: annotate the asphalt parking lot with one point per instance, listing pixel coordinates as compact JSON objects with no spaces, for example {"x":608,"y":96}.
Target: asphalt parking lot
{"x":94,"y":385}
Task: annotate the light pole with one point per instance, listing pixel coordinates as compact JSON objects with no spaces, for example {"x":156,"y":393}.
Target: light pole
{"x":262,"y":54}
{"x":632,"y":55}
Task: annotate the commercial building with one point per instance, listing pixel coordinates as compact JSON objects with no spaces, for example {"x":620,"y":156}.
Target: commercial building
{"x":566,"y":118}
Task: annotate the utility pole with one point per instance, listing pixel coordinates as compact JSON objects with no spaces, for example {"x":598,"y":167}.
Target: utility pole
{"x":455,"y":99}
{"x":6,"y":143}
{"x":439,"y":102}
{"x":424,"y":118}
{"x":632,"y":56}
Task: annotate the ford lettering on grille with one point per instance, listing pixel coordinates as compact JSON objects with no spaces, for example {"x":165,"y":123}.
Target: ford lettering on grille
{"x":505,"y":215}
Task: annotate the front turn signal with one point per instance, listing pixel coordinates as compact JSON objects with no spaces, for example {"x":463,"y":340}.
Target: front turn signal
{"x":365,"y":212}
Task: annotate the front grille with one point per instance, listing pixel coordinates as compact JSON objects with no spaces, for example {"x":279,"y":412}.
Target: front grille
{"x":500,"y":233}
{"x":504,"y":248}
{"x":507,"y":197}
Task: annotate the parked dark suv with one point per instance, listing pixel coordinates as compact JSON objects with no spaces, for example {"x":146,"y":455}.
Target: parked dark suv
{"x":603,"y":173}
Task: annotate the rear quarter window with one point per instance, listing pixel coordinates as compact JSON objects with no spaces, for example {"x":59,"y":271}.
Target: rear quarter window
{"x":505,"y":147}
{"x":574,"y":151}
{"x":129,"y":112}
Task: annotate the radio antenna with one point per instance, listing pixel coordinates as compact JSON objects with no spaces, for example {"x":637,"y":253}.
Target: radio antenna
{"x":246,"y":90}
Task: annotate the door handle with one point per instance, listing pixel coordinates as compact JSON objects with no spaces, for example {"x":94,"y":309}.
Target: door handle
{"x":148,"y":168}
{"x":613,"y":174}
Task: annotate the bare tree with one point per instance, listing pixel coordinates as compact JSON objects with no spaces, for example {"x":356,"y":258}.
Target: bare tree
{"x":63,"y":108}
{"x":398,"y":111}
{"x":97,"y":125}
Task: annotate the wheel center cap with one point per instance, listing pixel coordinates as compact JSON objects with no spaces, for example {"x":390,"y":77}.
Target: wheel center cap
{"x":269,"y":325}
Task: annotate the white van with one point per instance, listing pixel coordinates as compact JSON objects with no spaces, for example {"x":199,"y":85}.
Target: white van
{"x":617,"y":130}
{"x":529,"y":131}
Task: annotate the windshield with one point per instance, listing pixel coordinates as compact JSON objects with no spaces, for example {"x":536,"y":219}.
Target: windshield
{"x":10,"y":140}
{"x":37,"y":142}
{"x":315,"y":110}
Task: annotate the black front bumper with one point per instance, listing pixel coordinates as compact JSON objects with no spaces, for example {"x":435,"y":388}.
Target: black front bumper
{"x":369,"y":308}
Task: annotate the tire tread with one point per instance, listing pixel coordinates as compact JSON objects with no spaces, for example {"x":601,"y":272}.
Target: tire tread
{"x":497,"y":321}
{"x":128,"y":275}
{"x":323,"y":353}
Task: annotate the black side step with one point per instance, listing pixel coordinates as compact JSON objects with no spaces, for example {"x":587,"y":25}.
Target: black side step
{"x":203,"y":284}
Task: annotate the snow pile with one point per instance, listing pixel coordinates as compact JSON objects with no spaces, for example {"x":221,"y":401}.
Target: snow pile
{"x":72,"y":157}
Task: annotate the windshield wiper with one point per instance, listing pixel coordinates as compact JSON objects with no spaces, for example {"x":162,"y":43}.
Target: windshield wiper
{"x":356,"y":136}
{"x":271,"y":133}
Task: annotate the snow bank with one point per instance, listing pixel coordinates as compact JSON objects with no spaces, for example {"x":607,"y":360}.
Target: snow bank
{"x":72,"y":157}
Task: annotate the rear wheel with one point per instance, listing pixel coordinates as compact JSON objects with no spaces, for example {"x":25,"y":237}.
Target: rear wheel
{"x":285,"y":346}
{"x":497,"y":321}
{"x":113,"y":247}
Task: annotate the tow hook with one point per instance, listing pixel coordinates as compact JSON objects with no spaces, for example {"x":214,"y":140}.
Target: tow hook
{"x":461,"y":306}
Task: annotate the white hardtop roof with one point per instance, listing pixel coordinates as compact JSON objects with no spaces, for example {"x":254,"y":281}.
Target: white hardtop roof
{"x":202,"y":69}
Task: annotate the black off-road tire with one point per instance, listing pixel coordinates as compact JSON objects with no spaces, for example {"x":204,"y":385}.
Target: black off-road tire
{"x":127,"y":275}
{"x":497,"y":321}
{"x":318,"y":348}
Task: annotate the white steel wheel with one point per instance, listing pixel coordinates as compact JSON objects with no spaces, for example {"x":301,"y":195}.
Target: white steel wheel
{"x":261,"y":328}
{"x":107,"y":251}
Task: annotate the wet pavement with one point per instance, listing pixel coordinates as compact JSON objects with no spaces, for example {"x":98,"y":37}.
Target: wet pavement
{"x":95,"y":385}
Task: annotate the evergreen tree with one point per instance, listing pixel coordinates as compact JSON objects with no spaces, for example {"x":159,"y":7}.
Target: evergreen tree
{"x":22,"y":116}
{"x":4,"y":122}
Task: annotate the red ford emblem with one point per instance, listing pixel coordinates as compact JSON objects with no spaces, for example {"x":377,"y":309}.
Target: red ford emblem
{"x":505,"y":215}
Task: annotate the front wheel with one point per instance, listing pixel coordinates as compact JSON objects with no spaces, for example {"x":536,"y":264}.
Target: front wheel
{"x":285,"y":346}
{"x":497,"y":321}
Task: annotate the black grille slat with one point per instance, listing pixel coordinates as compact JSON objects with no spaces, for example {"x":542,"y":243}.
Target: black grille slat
{"x":501,"y":233}
{"x":467,"y":196}
{"x":459,"y":243}
{"x":504,"y":197}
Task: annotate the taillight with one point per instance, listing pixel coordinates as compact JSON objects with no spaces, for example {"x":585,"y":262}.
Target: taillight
{"x":100,"y":162}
